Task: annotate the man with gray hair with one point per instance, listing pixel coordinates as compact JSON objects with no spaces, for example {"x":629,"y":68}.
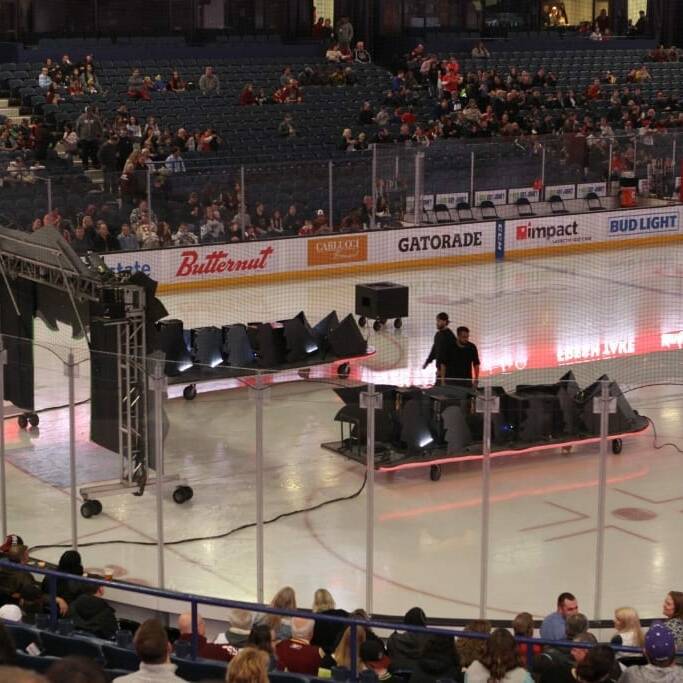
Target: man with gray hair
{"x":237,"y":634}
{"x":296,"y":654}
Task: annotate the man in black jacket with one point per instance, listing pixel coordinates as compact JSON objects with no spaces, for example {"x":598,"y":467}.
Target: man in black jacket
{"x":442,"y":349}
{"x":104,"y":240}
{"x":91,"y":613}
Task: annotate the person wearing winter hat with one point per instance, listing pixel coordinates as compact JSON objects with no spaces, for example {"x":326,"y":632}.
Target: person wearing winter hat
{"x":10,"y":613}
{"x":660,"y":650}
{"x":12,"y":581}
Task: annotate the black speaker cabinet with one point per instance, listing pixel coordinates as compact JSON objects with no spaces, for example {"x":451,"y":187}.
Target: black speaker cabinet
{"x":382,"y":300}
{"x":346,"y":339}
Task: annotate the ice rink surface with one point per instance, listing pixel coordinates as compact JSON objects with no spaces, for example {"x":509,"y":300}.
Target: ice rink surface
{"x":616,"y":312}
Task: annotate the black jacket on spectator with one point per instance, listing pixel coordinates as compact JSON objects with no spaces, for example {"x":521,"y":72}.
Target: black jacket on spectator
{"x":93,"y":614}
{"x":326,"y":634}
{"x":438,"y":660}
{"x":102,"y":244}
{"x":404,"y":650}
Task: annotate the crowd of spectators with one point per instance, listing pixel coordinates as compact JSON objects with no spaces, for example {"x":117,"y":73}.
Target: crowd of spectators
{"x":261,"y":643}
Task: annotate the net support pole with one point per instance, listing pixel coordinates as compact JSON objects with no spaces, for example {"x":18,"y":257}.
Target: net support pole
{"x":49,"y":195}
{"x":374,"y":186}
{"x":609,"y":168}
{"x":635,"y":156}
{"x":673,"y":163}
{"x":603,"y":405}
{"x":472,"y":178}
{"x":158,"y":385}
{"x":370,"y":401}
{"x":70,"y":371}
{"x":3,"y":481}
{"x":419,"y":187}
{"x":330,"y":192}
{"x":488,"y":405}
{"x":243,"y":203}
{"x":541,"y":194}
{"x":149,"y":193}
{"x":258,"y":393}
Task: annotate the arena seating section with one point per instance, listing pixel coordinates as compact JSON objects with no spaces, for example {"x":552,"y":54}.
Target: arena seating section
{"x":275,"y":172}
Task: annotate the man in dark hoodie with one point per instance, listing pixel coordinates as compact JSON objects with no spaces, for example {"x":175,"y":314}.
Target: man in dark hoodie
{"x":89,"y":612}
{"x":404,"y":648}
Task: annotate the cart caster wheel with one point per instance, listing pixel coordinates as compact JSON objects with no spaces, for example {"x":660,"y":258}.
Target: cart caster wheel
{"x":190,"y":392}
{"x":34,"y":419}
{"x":435,"y":472}
{"x":362,"y":321}
{"x":398,"y":324}
{"x":23,"y":421}
{"x":377,"y":326}
{"x":182,"y":494}
{"x":344,"y":370}
{"x":91,"y":508}
{"x":617,"y":446}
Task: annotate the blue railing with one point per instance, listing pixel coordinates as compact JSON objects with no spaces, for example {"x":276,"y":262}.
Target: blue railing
{"x":353,"y":623}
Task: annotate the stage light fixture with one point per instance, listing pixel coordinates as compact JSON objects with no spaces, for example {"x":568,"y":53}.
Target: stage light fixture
{"x":207,"y":343}
{"x":416,"y":430}
{"x":299,"y":337}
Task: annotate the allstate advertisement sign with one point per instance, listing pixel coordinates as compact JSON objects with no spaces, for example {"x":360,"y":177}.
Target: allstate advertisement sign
{"x":655,"y":222}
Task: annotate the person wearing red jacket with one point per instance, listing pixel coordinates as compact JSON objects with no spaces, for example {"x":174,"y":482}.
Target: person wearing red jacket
{"x":296,"y":654}
{"x":206,"y":650}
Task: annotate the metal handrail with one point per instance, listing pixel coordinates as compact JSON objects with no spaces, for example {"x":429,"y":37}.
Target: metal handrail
{"x":353,"y":623}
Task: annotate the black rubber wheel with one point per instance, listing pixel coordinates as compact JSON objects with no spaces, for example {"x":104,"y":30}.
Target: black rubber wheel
{"x":189,"y":493}
{"x":97,"y":506}
{"x":88,"y":509}
{"x":435,"y":472}
{"x":23,"y":421}
{"x":190,"y":392}
{"x":33,"y":420}
{"x":180,"y":495}
{"x":362,"y":321}
{"x":344,"y":370}
{"x":398,"y":323}
{"x":617,"y":446}
{"x":377,"y":326}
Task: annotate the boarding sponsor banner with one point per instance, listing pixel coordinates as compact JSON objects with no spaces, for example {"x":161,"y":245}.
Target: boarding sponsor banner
{"x":654,"y":221}
{"x":330,"y":251}
{"x":582,"y":189}
{"x":452,"y":199}
{"x":549,"y":231}
{"x":201,"y":263}
{"x":497,"y":197}
{"x":566,"y":192}
{"x":433,"y":242}
{"x":530,"y":193}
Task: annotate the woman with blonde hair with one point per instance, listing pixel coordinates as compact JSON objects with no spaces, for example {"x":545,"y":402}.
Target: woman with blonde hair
{"x":342,"y":654}
{"x":323,"y":600}
{"x":627,"y":626}
{"x":285,"y":598}
{"x":248,"y":666}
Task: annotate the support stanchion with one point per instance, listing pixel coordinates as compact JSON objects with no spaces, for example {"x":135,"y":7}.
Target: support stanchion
{"x":371,"y":401}
{"x":603,"y":405}
{"x":158,"y":382}
{"x":259,"y":398}
{"x":70,"y":371}
{"x":373,"y":218}
{"x":472,"y":179}
{"x":194,"y":646}
{"x":149,"y":193}
{"x":243,"y":203}
{"x":3,"y":481}
{"x":330,"y":193}
{"x":49,"y":195}
{"x":488,"y":405}
{"x":541,"y":194}
{"x":419,"y":187}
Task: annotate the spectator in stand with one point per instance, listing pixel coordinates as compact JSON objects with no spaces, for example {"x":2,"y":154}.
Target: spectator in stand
{"x":108,"y":156}
{"x":360,"y":54}
{"x":209,"y":141}
{"x":137,"y":88}
{"x":555,"y":624}
{"x":184,"y":237}
{"x":501,"y":662}
{"x":438,"y":660}
{"x":134,"y":129}
{"x":556,"y":665}
{"x":206,"y":650}
{"x":292,"y":222}
{"x":247,"y":96}
{"x":344,"y":32}
{"x":44,"y":78}
{"x":286,"y":128}
{"x":602,"y":21}
{"x":523,"y":625}
{"x":89,"y":81}
{"x":176,"y":83}
{"x":209,"y":83}
{"x":237,"y":633}
{"x":366,"y":115}
{"x":90,"y":612}
{"x":404,"y":648}
{"x":347,"y":142}
{"x":174,"y":162}
{"x":627,"y":626}
{"x":165,"y":234}
{"x":673,"y":611}
{"x":261,"y":637}
{"x":13,"y":581}
{"x":285,"y":598}
{"x":375,"y":659}
{"x":128,"y":241}
{"x":333,"y":54}
{"x":276,"y":227}
{"x":480,"y":51}
{"x":660,"y":651}
{"x":471,"y":649}
{"x":296,"y":654}
{"x":69,"y":563}
{"x":154,"y":650}
{"x":89,"y":131}
{"x":146,"y":233}
{"x":642,"y":26}
{"x":249,"y":666}
{"x":76,"y":670}
{"x":213,"y":229}
{"x":260,"y":220}
{"x":81,"y":243}
{"x":12,"y":614}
